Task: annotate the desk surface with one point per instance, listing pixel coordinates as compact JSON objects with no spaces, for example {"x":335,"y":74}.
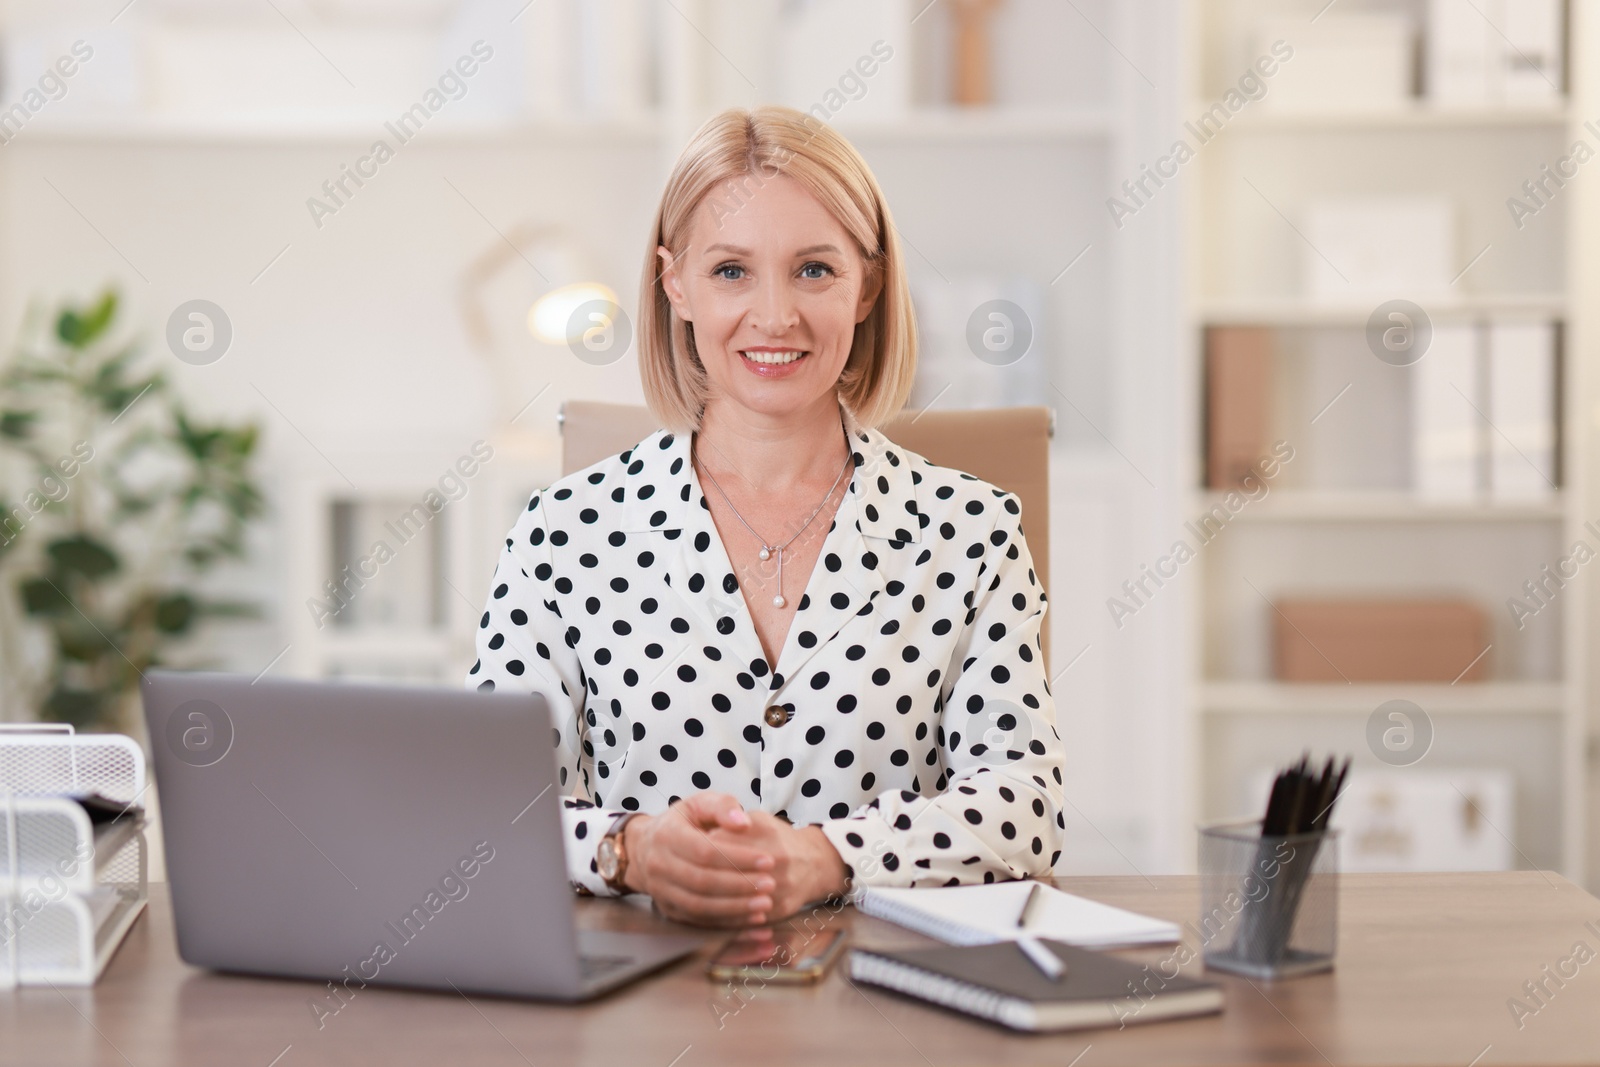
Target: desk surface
{"x":1426,"y":967}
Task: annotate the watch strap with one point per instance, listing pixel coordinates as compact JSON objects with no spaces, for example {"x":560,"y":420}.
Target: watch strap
{"x":614,"y":835}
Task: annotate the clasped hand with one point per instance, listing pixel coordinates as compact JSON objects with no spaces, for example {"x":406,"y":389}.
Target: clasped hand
{"x":707,"y":861}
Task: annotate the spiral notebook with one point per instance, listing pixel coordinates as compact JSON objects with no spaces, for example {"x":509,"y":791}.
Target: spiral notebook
{"x":976,"y":914}
{"x":999,"y":983}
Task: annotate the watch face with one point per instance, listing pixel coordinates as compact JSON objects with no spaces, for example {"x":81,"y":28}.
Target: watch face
{"x":606,"y":859}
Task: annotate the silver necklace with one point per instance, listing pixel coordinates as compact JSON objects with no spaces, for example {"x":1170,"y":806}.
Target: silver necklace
{"x":767,"y":550}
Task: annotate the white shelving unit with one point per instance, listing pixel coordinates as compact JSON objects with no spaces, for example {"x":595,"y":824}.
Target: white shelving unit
{"x":1280,"y":311}
{"x":922,"y":124}
{"x":1223,"y":698}
{"x":1392,"y":506}
{"x":1418,"y":115}
{"x":988,"y":124}
{"x":1530,"y":718}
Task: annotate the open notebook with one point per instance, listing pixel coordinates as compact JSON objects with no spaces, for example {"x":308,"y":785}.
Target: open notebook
{"x":977,"y":914}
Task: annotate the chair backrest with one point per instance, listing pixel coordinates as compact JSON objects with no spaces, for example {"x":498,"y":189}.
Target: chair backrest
{"x":1009,"y":447}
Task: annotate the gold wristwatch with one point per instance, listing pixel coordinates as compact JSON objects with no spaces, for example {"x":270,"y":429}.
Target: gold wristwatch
{"x":611,"y":857}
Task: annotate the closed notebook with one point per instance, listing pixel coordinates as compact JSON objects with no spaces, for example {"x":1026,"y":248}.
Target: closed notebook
{"x":997,"y":982}
{"x":974,"y":914}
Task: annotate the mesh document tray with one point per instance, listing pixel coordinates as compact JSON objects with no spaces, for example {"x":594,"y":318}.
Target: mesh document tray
{"x":70,"y":888}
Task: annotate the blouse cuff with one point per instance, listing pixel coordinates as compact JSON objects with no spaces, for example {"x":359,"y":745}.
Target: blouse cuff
{"x":867,"y":843}
{"x":584,"y":825}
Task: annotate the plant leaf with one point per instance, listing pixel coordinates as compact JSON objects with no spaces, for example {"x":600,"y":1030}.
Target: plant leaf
{"x":230,"y":609}
{"x":17,"y":425}
{"x":40,"y":596}
{"x":77,"y":639}
{"x":84,"y":555}
{"x":81,"y":707}
{"x":79,"y":328}
{"x":175,"y":613}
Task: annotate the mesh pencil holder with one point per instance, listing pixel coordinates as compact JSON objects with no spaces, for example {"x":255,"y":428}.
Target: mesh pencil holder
{"x":70,"y":888}
{"x":1268,"y":903}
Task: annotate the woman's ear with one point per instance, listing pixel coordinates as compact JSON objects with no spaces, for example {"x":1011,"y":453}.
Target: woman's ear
{"x":670,"y":283}
{"x":871,"y":289}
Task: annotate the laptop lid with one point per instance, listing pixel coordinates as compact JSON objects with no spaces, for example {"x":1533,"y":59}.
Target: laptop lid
{"x":363,"y":833}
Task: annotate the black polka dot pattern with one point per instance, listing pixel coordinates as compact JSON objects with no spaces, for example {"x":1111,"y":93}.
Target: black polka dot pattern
{"x":908,"y":715}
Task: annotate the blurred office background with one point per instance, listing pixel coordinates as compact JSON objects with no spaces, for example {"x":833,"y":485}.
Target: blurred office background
{"x":1301,"y":282}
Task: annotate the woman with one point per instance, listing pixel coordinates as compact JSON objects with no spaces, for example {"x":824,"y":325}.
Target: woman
{"x":785,"y":655}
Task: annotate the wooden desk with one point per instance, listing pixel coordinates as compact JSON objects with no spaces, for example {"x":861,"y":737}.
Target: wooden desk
{"x":1426,"y":966}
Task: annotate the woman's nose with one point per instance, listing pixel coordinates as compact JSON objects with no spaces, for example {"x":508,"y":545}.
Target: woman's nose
{"x":774,"y":310}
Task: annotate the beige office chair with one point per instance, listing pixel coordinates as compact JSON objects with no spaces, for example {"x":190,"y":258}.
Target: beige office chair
{"x":1009,"y":447}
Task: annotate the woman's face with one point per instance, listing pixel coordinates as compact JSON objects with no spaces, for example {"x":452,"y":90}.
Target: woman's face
{"x":773,"y":286}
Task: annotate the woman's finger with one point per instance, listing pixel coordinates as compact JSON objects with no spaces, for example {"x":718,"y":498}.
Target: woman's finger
{"x":720,"y":852}
{"x":679,"y":902}
{"x":737,"y":849}
{"x":708,"y":809}
{"x":675,"y":871}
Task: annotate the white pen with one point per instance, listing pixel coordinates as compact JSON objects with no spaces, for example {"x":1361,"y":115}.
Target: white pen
{"x":1042,"y":958}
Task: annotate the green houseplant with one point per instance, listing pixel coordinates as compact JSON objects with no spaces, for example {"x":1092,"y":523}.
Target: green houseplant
{"x":114,"y":501}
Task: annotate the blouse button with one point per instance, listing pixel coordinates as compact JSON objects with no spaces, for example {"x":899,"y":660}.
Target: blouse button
{"x":777,"y":715}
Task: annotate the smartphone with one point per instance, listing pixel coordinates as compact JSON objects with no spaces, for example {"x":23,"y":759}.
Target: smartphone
{"x":777,"y":953}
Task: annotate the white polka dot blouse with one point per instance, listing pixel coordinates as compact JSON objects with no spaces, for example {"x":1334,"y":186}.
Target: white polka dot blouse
{"x":909,"y":714}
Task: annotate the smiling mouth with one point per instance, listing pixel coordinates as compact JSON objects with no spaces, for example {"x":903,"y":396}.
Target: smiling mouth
{"x":774,"y":358}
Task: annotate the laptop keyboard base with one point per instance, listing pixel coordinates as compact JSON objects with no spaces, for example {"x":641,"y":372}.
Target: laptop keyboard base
{"x":591,"y":967}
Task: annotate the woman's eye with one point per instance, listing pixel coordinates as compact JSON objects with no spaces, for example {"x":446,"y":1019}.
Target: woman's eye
{"x":823,"y":268}
{"x":722,"y":271}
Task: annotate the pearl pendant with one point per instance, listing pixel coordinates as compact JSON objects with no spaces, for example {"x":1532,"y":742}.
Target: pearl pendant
{"x":778,"y":601}
{"x":765,"y":555}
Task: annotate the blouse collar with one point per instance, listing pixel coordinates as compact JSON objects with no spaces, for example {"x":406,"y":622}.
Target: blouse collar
{"x":660,"y":485}
{"x":660,"y":491}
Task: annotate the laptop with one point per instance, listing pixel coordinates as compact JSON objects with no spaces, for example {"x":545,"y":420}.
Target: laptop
{"x":359,"y":833}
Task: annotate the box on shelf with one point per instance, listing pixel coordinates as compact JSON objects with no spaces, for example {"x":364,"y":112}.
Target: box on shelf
{"x":587,"y":60}
{"x":614,"y":42}
{"x":1447,"y":430}
{"x":1379,"y":640}
{"x":1379,"y":247}
{"x":1346,"y":61}
{"x":1238,"y":401}
{"x":845,"y":57}
{"x":122,"y":59}
{"x":1485,"y":413}
{"x":1532,"y":52}
{"x":1415,"y":819}
{"x":1488,"y":52}
{"x":1522,"y":408}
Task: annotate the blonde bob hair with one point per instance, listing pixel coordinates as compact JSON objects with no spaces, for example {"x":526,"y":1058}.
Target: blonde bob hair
{"x":751,"y":147}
